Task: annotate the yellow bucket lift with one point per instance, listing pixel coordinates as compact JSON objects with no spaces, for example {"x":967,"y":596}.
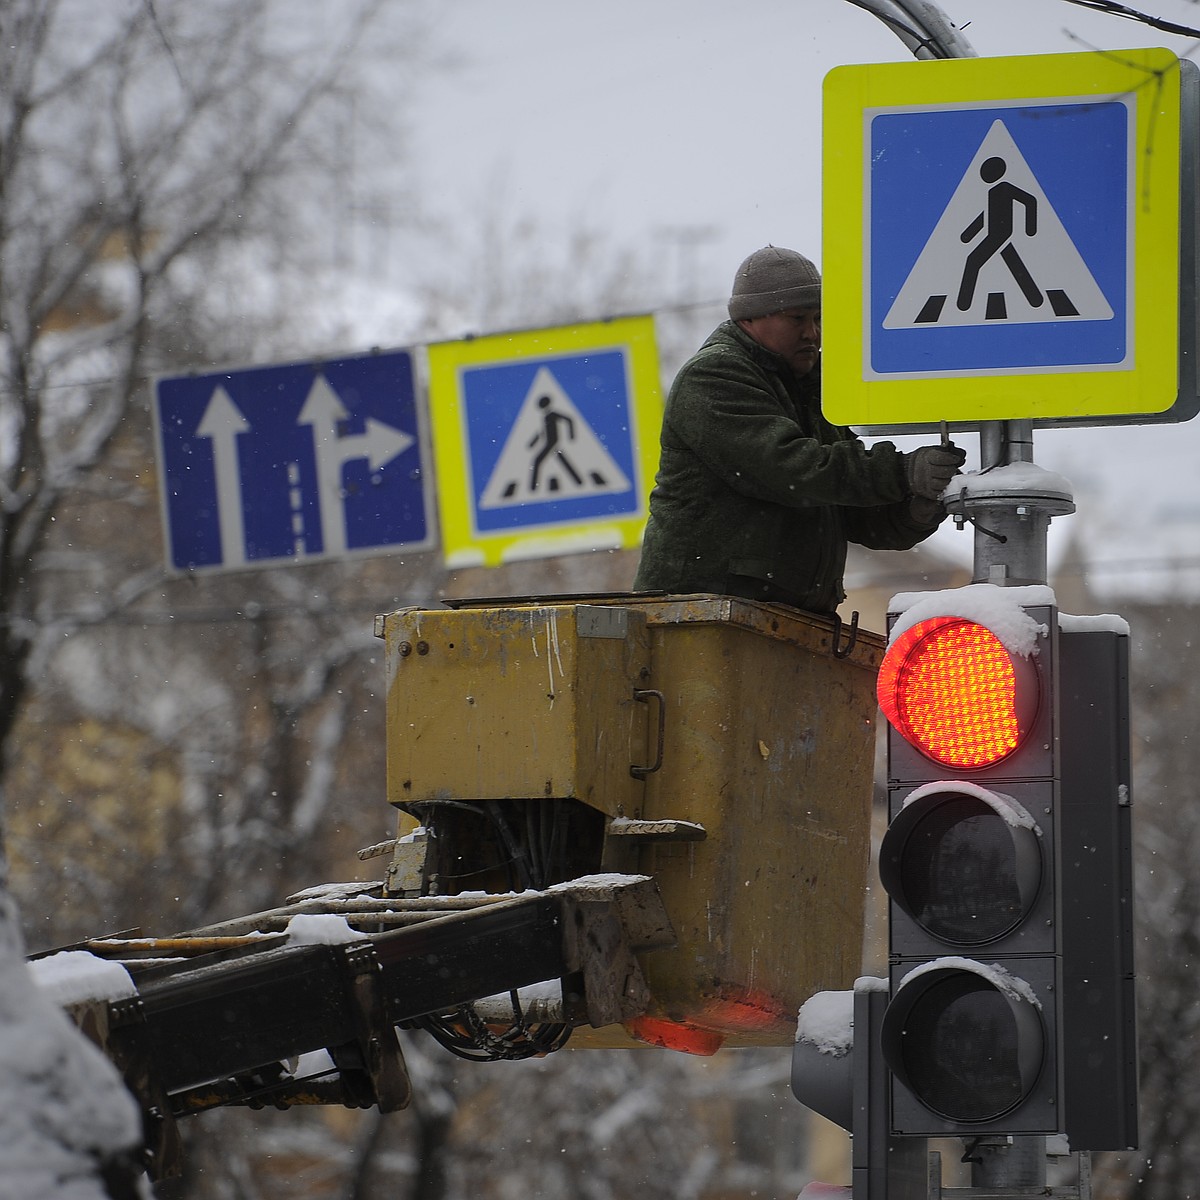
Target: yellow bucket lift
{"x":626,"y":820}
{"x":720,"y":746}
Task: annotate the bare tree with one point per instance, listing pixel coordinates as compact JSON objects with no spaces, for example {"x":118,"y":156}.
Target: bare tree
{"x":142,"y":150}
{"x":512,"y":272}
{"x":149,"y":158}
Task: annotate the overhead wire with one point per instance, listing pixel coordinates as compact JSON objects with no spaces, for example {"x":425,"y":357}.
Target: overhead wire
{"x":1112,"y":8}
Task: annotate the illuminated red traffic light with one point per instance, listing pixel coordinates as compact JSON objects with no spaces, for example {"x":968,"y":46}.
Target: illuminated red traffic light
{"x":953,"y":690}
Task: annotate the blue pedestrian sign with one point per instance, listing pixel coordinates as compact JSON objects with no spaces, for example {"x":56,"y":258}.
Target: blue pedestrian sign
{"x":544,"y":439}
{"x":293,"y":463}
{"x":1013,"y":251}
{"x":1003,"y":239}
{"x":531,"y":443}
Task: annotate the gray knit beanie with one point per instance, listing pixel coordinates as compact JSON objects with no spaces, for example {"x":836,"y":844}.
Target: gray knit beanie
{"x":771,"y":280}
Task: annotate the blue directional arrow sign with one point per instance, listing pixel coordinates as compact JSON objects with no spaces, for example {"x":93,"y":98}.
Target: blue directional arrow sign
{"x":293,"y":463}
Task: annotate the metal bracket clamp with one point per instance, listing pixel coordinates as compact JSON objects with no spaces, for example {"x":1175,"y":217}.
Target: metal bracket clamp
{"x":1010,"y":521}
{"x":127,"y":1042}
{"x":614,"y":987}
{"x":382,"y":1060}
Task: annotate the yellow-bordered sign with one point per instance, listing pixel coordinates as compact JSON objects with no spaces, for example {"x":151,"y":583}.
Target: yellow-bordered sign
{"x":545,"y":441}
{"x":1001,"y":238}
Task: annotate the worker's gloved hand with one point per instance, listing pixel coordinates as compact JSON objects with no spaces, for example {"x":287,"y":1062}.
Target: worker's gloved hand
{"x":931,"y":468}
{"x":925,"y":511}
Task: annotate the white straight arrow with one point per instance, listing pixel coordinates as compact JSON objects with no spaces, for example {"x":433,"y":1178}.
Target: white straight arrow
{"x":323,"y":410}
{"x":221,"y":424}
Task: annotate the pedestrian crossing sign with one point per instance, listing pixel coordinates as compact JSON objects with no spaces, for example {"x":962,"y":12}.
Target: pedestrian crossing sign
{"x":545,"y":440}
{"x":1002,"y":239}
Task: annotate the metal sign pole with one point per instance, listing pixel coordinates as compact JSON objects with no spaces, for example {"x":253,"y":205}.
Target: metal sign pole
{"x":1012,"y":518}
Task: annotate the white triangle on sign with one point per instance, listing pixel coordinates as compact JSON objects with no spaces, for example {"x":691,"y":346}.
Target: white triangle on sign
{"x":998,"y":255}
{"x":551,"y":453}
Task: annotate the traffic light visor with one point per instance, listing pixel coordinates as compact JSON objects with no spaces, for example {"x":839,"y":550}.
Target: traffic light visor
{"x":963,"y":862}
{"x":952,"y":689}
{"x":967,"y":1040}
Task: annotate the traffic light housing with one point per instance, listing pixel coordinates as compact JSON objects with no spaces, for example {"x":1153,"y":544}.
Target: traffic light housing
{"x":1005,"y":862}
{"x":1096,"y":887}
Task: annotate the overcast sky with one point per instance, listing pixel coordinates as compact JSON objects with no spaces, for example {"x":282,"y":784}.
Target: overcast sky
{"x":697,"y":116}
{"x":691,"y":129}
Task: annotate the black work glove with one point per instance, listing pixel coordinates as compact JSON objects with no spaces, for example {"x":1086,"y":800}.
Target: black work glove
{"x":925,"y":511}
{"x":931,"y":468}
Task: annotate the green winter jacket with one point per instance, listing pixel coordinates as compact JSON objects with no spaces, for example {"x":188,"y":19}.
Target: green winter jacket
{"x":756,"y":493}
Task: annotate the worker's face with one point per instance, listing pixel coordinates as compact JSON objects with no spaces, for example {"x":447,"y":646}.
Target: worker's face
{"x":794,"y":334}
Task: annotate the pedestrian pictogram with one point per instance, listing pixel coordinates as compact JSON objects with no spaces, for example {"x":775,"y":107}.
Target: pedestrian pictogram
{"x":291,"y":463}
{"x":545,"y":439}
{"x":552,"y":452}
{"x":999,"y":252}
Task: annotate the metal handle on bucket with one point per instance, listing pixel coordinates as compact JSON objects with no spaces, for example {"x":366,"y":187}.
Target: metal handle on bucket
{"x":841,"y":650}
{"x":643,"y":695}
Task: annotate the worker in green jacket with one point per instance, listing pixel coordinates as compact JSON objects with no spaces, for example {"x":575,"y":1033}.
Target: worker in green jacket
{"x":757,"y":494}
